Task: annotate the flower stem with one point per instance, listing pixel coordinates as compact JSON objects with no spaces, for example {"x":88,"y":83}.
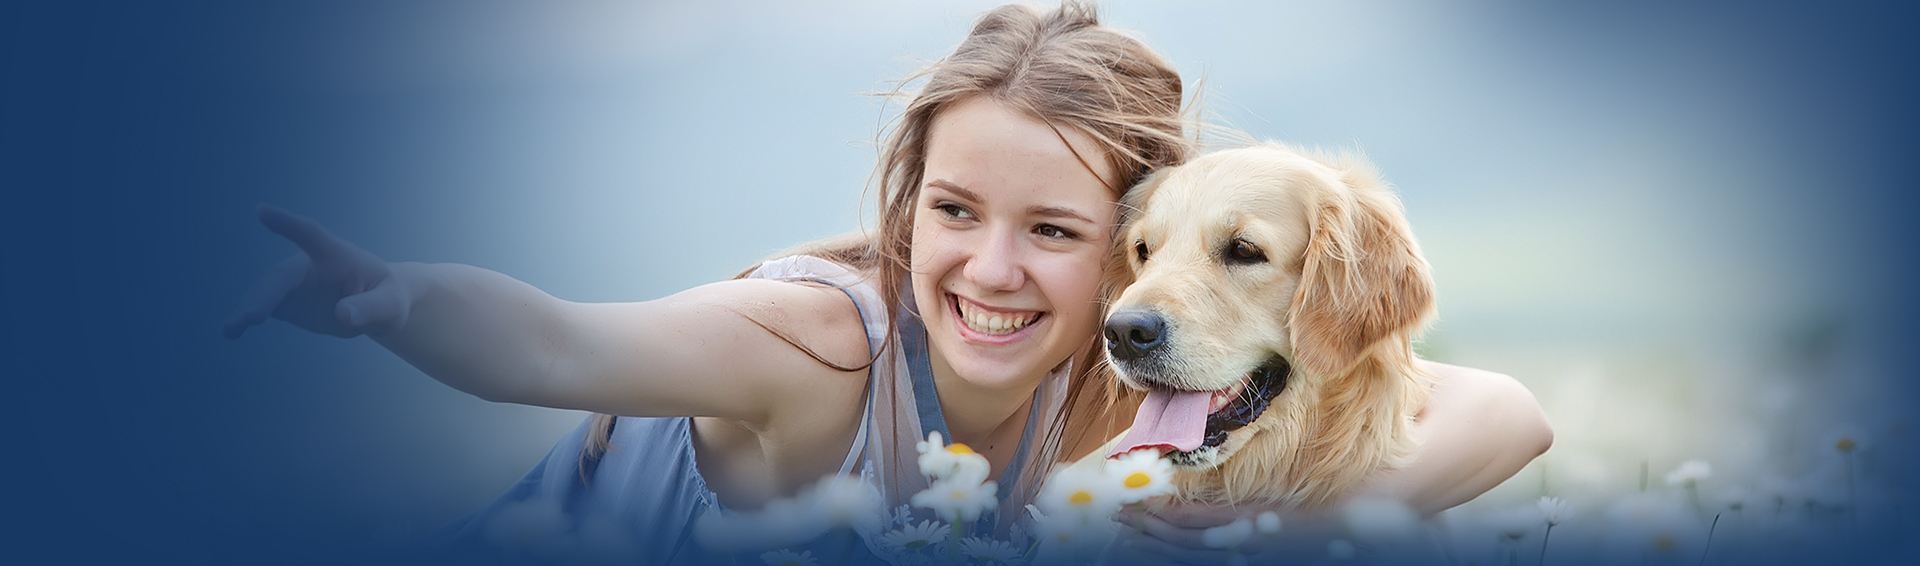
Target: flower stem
{"x":953,"y":541}
{"x":1704,"y":549}
{"x":1543,"y":544}
{"x":1853,"y":500}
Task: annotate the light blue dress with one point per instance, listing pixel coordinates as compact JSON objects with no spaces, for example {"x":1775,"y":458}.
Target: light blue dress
{"x":647,"y":488}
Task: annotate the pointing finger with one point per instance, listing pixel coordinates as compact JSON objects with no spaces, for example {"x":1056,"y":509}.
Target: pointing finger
{"x":302,"y":231}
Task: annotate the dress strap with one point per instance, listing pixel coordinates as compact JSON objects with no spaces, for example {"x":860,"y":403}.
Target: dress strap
{"x":913,"y":343}
{"x":926,"y":397}
{"x":860,"y":438}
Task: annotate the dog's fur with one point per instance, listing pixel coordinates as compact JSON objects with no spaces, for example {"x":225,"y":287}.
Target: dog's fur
{"x":1340,"y":295}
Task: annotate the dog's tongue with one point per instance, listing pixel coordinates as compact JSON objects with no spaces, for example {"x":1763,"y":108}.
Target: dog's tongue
{"x":1175,"y":419}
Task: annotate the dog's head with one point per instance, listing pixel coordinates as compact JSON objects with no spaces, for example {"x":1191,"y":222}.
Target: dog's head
{"x":1258,"y":274}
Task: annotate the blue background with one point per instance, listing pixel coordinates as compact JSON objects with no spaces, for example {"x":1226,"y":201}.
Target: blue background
{"x":1597,"y":186}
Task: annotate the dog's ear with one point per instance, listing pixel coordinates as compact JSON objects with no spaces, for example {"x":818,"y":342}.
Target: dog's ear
{"x":1362,"y":280}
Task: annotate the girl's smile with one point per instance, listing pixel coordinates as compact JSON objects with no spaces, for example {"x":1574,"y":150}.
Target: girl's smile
{"x":989,"y":325}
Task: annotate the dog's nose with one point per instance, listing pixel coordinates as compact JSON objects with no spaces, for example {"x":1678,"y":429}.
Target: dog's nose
{"x":1134,"y":334}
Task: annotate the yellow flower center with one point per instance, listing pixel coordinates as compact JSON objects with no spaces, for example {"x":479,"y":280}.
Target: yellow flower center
{"x":958,"y":448}
{"x":1080,"y":498}
{"x":1138,"y":480}
{"x":1845,"y":445}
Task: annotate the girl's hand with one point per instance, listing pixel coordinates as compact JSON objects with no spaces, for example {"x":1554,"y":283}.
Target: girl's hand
{"x":330,"y":287}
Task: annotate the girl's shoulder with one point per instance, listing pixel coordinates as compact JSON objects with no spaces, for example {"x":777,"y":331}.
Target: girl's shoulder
{"x":831,"y":312}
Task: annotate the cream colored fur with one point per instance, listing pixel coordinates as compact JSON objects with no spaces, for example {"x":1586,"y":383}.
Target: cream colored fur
{"x":1341,"y":295}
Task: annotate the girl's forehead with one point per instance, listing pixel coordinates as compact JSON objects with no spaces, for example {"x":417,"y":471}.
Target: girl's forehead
{"x":985,"y":136}
{"x":986,"y":152}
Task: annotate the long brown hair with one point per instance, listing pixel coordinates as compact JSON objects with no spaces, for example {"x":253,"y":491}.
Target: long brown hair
{"x":1060,"y":66}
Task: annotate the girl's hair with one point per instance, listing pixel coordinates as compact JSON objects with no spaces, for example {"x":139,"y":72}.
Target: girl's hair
{"x":1061,"y":67}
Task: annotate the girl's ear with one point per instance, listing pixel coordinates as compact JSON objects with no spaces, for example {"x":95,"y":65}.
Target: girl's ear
{"x":1363,"y":279}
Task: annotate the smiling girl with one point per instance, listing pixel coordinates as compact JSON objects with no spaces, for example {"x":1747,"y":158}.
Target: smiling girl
{"x":972,"y":311}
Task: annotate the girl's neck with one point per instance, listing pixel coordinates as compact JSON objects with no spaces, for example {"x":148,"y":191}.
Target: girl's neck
{"x":989,"y":422}
{"x":982,"y":418}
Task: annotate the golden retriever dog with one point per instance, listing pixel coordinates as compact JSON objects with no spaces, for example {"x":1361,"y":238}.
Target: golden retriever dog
{"x":1274,"y":295}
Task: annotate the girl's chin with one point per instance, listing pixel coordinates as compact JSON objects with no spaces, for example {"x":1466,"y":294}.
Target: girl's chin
{"x":999,"y":376}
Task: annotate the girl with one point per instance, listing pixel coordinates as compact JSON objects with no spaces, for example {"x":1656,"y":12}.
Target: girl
{"x":972,"y":311}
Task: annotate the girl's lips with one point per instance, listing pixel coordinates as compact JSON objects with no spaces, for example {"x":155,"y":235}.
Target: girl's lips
{"x":991,"y":325}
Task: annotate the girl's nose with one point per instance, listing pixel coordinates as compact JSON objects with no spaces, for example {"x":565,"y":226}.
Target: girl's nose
{"x":995,"y":266}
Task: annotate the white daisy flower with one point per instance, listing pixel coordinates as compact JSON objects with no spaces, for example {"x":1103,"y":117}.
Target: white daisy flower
{"x":912,"y":538}
{"x":1078,"y":493}
{"x":1139,"y":475}
{"x":1554,"y":510}
{"x":947,"y":461}
{"x":784,"y":522}
{"x":955,"y":497}
{"x":789,"y":558}
{"x":989,"y":552}
{"x":1020,"y":535}
{"x":1268,"y":523}
{"x":845,"y":501}
{"x":1689,"y":472}
{"x":1229,"y":535}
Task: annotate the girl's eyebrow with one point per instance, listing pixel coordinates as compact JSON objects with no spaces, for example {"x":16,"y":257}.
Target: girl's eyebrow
{"x":1059,"y":212}
{"x":1045,"y":211}
{"x":949,"y":186}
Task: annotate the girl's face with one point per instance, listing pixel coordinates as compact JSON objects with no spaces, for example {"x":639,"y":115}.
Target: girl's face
{"x":1010,"y":238}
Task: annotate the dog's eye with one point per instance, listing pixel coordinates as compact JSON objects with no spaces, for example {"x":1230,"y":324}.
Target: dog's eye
{"x":1244,"y":252}
{"x":1140,"y":251}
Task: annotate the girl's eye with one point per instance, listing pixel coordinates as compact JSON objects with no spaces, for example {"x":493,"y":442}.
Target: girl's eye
{"x":1055,"y":232}
{"x":954,"y":211}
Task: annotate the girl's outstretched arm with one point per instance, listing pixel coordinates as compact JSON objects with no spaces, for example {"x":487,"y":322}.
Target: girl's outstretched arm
{"x":694,"y":353}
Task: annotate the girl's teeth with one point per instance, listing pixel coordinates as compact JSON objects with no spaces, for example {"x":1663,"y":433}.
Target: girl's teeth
{"x":992,"y":323}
